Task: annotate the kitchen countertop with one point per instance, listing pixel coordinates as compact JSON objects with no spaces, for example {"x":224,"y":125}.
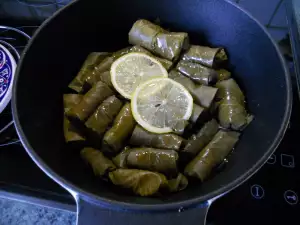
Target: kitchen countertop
{"x":19,"y":213}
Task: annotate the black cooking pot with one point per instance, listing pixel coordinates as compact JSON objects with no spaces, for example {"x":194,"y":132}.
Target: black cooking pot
{"x":55,"y":54}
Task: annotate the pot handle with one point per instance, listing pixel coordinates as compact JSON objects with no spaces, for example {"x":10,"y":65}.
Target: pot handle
{"x":92,"y":214}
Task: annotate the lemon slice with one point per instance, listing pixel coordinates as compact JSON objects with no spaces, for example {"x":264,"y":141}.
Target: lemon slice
{"x":132,"y":69}
{"x":159,"y":104}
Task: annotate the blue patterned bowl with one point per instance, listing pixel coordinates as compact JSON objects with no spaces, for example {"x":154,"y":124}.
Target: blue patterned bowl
{"x":7,"y":71}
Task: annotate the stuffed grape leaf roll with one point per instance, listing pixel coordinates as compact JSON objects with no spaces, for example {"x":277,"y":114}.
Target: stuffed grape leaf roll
{"x":141,"y":182}
{"x":122,"y":128}
{"x":87,"y":69}
{"x":197,"y":112}
{"x":143,"y":33}
{"x":197,"y":72}
{"x":120,"y":160}
{"x":212,"y":155}
{"x":166,"y":63}
{"x":223,"y":74}
{"x":158,"y":160}
{"x":99,"y":163}
{"x":104,"y":77}
{"x":197,"y":142}
{"x":157,"y":40}
{"x":178,"y":126}
{"x":178,"y":183}
{"x":204,"y":95}
{"x":104,"y":65}
{"x":70,"y":132}
{"x":101,"y":71}
{"x":170,"y":44}
{"x":231,"y":111}
{"x":96,"y":74}
{"x":206,"y":56}
{"x":70,"y":100}
{"x":180,"y":78}
{"x":90,"y":101}
{"x":142,"y":137}
{"x":104,"y":115}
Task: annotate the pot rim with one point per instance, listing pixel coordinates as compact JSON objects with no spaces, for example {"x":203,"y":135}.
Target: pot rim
{"x":106,"y":202}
